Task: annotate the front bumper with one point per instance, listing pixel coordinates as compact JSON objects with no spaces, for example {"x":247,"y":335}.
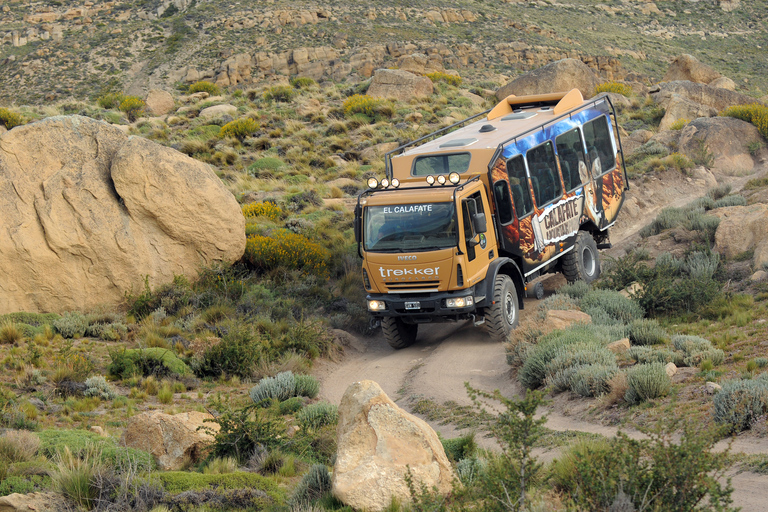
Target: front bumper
{"x":431,"y":306}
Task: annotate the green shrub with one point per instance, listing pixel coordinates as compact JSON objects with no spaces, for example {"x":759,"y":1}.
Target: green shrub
{"x":204,"y":86}
{"x":80,"y":441}
{"x":761,"y":362}
{"x":76,"y":476}
{"x":284,"y":386}
{"x":280,"y":93}
{"x":732,"y":200}
{"x":439,"y":76}
{"x":576,"y":290}
{"x":10,"y":333}
{"x":239,"y":128}
{"x":238,"y":353}
{"x":71,"y":325}
{"x":460,"y":448}
{"x":220,"y":466}
{"x":559,"y":302}
{"x":149,"y":361}
{"x":313,"y":486}
{"x":644,"y":331}
{"x":18,"y":446}
{"x":617,"y":306}
{"x":180,"y":481}
{"x":306,"y":385}
{"x":615,"y":87}
{"x":740,"y":403}
{"x":679,"y":124}
{"x":98,"y":386}
{"x":644,"y":355}
{"x":24,"y":484}
{"x":291,"y":406}
{"x":647,"y":381}
{"x":302,"y":82}
{"x":283,"y":249}
{"x":111,"y":100}
{"x":133,"y":107}
{"x":316,"y":416}
{"x":756,"y":113}
{"x":719,"y":191}
{"x":568,"y":359}
{"x":10,"y":119}
{"x":244,"y":430}
{"x":702,"y":265}
{"x":696,"y":349}
{"x":592,"y":379}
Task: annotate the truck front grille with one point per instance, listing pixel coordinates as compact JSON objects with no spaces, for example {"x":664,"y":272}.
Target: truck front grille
{"x":415,"y":286}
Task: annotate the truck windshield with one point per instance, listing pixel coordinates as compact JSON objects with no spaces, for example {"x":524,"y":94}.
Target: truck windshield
{"x":410,"y":227}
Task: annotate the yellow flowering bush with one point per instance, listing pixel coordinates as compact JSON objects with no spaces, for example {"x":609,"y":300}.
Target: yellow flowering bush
{"x":133,"y":106}
{"x":439,"y":76}
{"x":9,"y":119}
{"x":267,"y":209}
{"x":111,"y":100}
{"x":616,"y":87}
{"x":679,"y":124}
{"x":754,"y":113}
{"x":286,"y":250}
{"x":360,"y":104}
{"x":239,"y":128}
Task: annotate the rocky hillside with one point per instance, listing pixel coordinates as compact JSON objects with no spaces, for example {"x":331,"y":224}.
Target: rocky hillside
{"x":60,"y":49}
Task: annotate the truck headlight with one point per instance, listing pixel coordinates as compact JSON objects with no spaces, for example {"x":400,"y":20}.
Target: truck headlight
{"x":459,"y":302}
{"x":377,"y":305}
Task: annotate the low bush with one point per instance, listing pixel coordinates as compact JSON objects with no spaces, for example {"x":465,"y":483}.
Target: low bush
{"x":98,"y":386}
{"x":644,"y":355}
{"x":280,"y":93}
{"x":155,"y":361}
{"x":679,"y":124}
{"x":740,"y":403}
{"x":460,"y":448}
{"x":615,"y":87}
{"x":239,"y":128}
{"x":111,"y":100}
{"x":80,"y":441}
{"x":439,"y":76}
{"x":313,"y":486}
{"x":18,"y":446}
{"x":291,"y":406}
{"x":316,"y":416}
{"x":569,"y":359}
{"x":646,"y":382}
{"x":302,"y":82}
{"x":361,"y":104}
{"x":284,"y":386}
{"x":76,"y":476}
{"x":755,"y":113}
{"x":133,"y":107}
{"x":593,"y":379}
{"x":238,"y":353}
{"x":9,"y":119}
{"x":204,"y":86}
{"x":180,"y":481}
{"x":576,"y":290}
{"x":10,"y":333}
{"x":243,"y":430}
{"x":71,"y":325}
{"x":643,"y":331}
{"x":265,"y":209}
{"x":618,"y":307}
{"x":283,"y":249}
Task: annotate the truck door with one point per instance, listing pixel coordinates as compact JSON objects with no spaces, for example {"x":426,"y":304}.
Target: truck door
{"x":477,"y":237}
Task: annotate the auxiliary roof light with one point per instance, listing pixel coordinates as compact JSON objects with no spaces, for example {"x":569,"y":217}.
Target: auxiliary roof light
{"x":454,"y":178}
{"x":395,"y":182}
{"x":431,"y":180}
{"x":441,"y":179}
{"x":384,"y":182}
{"x":373,"y":183}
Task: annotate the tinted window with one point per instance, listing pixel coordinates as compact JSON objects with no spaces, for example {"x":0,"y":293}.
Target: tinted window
{"x":503,"y":202}
{"x":441,"y":164}
{"x":597,"y":136}
{"x":544,"y":176}
{"x":518,"y":183}
{"x":570,"y":153}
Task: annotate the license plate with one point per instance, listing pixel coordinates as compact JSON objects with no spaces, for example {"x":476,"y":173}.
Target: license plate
{"x":413,"y":305}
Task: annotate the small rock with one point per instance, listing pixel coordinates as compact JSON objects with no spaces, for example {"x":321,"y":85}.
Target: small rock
{"x":760,"y":275}
{"x":620,"y":346}
{"x":218,"y":110}
{"x":713,"y":387}
{"x":671,"y":369}
{"x":96,"y":429}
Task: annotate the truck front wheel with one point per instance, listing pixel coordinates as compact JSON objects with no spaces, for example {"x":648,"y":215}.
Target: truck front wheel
{"x":504,"y":314}
{"x":398,"y":333}
{"x":583,"y":262}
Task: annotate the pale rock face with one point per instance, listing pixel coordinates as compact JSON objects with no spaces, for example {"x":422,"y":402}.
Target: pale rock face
{"x":725,"y":137}
{"x":688,"y":67}
{"x":377,"y":441}
{"x":402,"y":85}
{"x":743,"y":228}
{"x":562,"y":319}
{"x":86,"y":212}
{"x":38,"y":501}
{"x":559,"y":76}
{"x":717,"y":98}
{"x":172,"y":439}
{"x":679,"y":107}
{"x":159,"y":102}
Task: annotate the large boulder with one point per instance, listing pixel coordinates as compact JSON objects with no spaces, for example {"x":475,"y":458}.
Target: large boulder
{"x":679,"y":107}
{"x":399,"y":84}
{"x":377,"y":443}
{"x":159,"y":102}
{"x":688,"y":67}
{"x":36,"y":501}
{"x":741,"y":229}
{"x":715,"y":97}
{"x":725,"y":138}
{"x":174,"y":440}
{"x":87,"y":211}
{"x":559,"y":76}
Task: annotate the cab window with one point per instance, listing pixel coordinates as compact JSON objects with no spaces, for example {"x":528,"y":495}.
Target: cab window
{"x":441,"y":164}
{"x":544,"y":176}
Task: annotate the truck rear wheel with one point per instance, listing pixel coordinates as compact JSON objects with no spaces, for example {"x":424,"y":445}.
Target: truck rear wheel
{"x":504,"y":314}
{"x":398,"y":333}
{"x":583,"y":262}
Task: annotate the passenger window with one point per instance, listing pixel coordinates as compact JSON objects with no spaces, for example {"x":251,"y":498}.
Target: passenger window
{"x":544,"y":176}
{"x":503,"y":202}
{"x":601,"y":157}
{"x":518,"y":184}
{"x":570,"y":153}
{"x":441,"y":164}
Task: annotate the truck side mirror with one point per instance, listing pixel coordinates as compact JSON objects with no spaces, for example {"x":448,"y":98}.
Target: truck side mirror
{"x":358,"y":224}
{"x":478,"y":223}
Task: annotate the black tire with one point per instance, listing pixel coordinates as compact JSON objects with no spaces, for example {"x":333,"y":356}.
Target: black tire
{"x":583,"y":262}
{"x":504,"y":314}
{"x":398,"y":333}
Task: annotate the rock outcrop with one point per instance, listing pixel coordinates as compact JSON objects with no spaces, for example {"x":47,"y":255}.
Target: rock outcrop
{"x":714,"y":97}
{"x":399,"y":84}
{"x":159,"y":102}
{"x":174,"y":440}
{"x":36,"y":501}
{"x":377,"y":443}
{"x":725,"y":139}
{"x":741,"y":229}
{"x":560,"y":76}
{"x":688,"y":67}
{"x":86,"y":212}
